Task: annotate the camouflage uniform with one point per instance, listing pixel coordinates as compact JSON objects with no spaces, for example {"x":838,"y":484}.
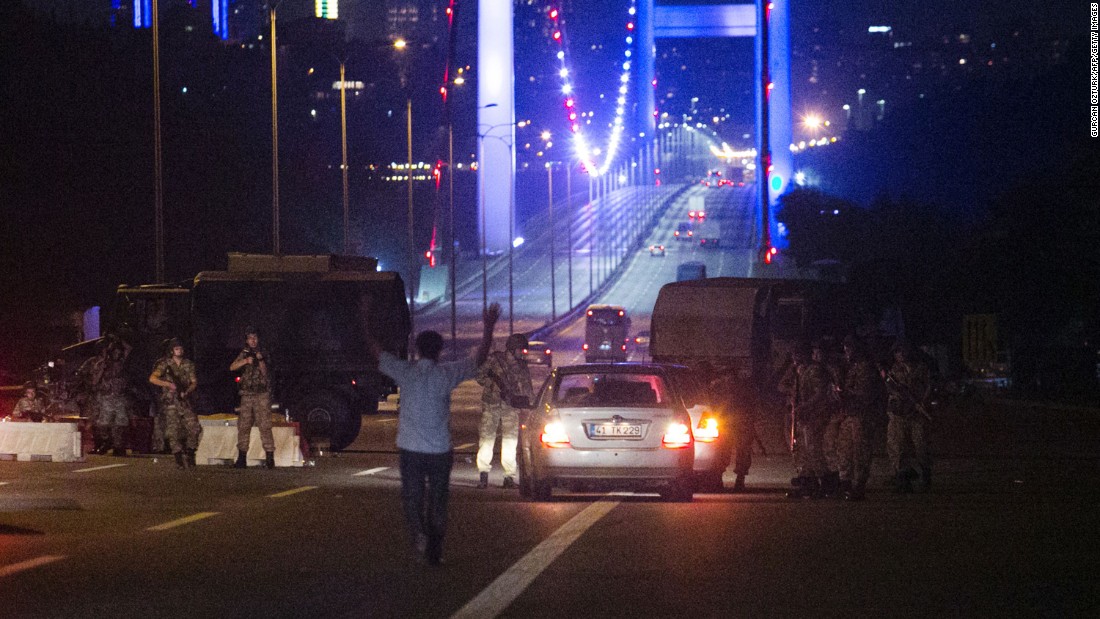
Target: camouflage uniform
{"x":832,"y":428}
{"x":178,"y":413}
{"x":862,"y":386}
{"x":255,"y":409}
{"x":29,"y":409}
{"x":814,"y":405}
{"x":112,"y":406}
{"x":908,"y":383}
{"x":501,"y":369}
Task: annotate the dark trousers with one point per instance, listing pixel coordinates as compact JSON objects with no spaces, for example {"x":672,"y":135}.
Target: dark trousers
{"x":426,"y":512}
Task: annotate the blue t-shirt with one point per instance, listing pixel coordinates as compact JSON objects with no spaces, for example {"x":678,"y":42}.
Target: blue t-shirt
{"x":425,"y":422}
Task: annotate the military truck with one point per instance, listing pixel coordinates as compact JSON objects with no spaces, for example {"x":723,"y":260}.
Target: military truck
{"x":309,"y":315}
{"x":743,"y":325}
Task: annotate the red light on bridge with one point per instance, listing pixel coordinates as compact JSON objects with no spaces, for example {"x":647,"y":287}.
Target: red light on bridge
{"x":553,"y":13}
{"x":569,"y":103}
{"x":557,"y":35}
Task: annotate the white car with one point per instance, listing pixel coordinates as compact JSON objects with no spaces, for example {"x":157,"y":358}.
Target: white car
{"x":620,"y":425}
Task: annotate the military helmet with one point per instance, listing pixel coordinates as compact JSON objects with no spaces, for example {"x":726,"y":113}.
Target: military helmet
{"x":251,"y":330}
{"x":171,"y":343}
{"x":30,"y":384}
{"x":516,"y":341}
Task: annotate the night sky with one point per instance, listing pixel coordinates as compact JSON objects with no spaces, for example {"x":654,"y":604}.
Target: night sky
{"x":76,"y":189}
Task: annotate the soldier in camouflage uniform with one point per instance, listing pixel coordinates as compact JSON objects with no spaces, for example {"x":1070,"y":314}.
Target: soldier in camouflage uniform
{"x":176,"y":378}
{"x":909,"y":385}
{"x":30,"y":407}
{"x":503,"y":376}
{"x":830,"y":482}
{"x":861,"y":395}
{"x":812,"y":408}
{"x":255,"y":391}
{"x":109,"y":384}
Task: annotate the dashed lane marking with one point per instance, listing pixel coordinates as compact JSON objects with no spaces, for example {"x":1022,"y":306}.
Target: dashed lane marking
{"x":100,"y":468}
{"x":465,"y":446}
{"x":4,"y":483}
{"x":378,"y":469}
{"x":14,"y":568}
{"x":279,"y":495}
{"x":509,"y":585}
{"x":182,"y":521}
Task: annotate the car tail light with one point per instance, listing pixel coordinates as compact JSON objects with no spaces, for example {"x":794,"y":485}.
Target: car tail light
{"x":677,"y":233}
{"x":624,"y":346}
{"x":547,"y":352}
{"x":525,"y":351}
{"x":677,"y":436}
{"x":553,"y":435}
{"x":585,"y":347}
{"x":707,"y":431}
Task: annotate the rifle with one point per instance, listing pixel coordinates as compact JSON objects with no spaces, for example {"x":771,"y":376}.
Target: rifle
{"x":903,"y":391}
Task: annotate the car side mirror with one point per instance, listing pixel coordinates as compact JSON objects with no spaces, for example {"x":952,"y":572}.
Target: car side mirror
{"x":521,"y":401}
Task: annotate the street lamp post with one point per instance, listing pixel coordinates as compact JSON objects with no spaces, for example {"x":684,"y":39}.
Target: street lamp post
{"x":344,"y":154}
{"x":274,"y":138}
{"x":401,"y":45}
{"x":158,"y":164}
{"x":569,"y":226}
{"x":550,"y":193}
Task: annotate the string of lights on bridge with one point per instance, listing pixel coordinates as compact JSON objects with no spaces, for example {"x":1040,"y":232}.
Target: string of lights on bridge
{"x":587,"y":153}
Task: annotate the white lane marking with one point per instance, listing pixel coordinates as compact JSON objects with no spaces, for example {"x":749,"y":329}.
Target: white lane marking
{"x":378,"y":469}
{"x":392,"y":420}
{"x":182,"y":521}
{"x":8,"y":570}
{"x":279,"y":495}
{"x":509,"y":585}
{"x":465,"y":446}
{"x":100,"y":468}
{"x":4,"y":483}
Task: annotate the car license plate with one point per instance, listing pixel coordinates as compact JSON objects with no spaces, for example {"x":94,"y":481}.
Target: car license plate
{"x":615,"y":430}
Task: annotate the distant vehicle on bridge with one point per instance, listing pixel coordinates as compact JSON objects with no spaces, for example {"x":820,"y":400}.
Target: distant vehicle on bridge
{"x":605,"y":333}
{"x":691,"y":270}
{"x":683,"y":231}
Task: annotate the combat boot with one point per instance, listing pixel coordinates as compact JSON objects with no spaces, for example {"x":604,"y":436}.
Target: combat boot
{"x":269,"y":460}
{"x":180,"y":463}
{"x":903,"y":483}
{"x":119,"y":452}
{"x":739,"y":483}
{"x":483,"y":480}
{"x":242,"y":460}
{"x":509,"y":483}
{"x":925,"y":478}
{"x":191,"y":458}
{"x":855,"y":493}
{"x":843,"y":488}
{"x":800,"y":489}
{"x":816,"y":489}
{"x":830,"y":484}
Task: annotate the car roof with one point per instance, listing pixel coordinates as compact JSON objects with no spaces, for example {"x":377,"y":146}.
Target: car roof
{"x":612,"y":368}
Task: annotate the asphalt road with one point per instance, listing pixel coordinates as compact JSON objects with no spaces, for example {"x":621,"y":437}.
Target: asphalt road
{"x":1009,"y":529}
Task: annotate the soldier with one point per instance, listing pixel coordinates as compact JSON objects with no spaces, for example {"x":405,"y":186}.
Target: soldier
{"x":736,"y":397}
{"x":503,"y":376}
{"x":108,"y":385}
{"x":30,"y":407}
{"x":255,"y":391}
{"x":861,"y":396}
{"x":909,"y":385}
{"x":811,"y":412}
{"x":830,"y":482}
{"x":175,"y":375}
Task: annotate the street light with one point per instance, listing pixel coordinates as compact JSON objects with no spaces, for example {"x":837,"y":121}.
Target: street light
{"x":344,"y":152}
{"x":158,"y":164}
{"x":400,"y":45}
{"x":274,"y":137}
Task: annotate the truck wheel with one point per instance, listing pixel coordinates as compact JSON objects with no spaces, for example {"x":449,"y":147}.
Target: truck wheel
{"x":326,"y":418}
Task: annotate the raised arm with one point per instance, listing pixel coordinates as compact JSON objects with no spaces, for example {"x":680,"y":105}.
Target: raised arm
{"x":490,"y":317}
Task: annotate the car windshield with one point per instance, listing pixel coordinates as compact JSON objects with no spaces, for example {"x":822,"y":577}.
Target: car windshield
{"x":611,"y":389}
